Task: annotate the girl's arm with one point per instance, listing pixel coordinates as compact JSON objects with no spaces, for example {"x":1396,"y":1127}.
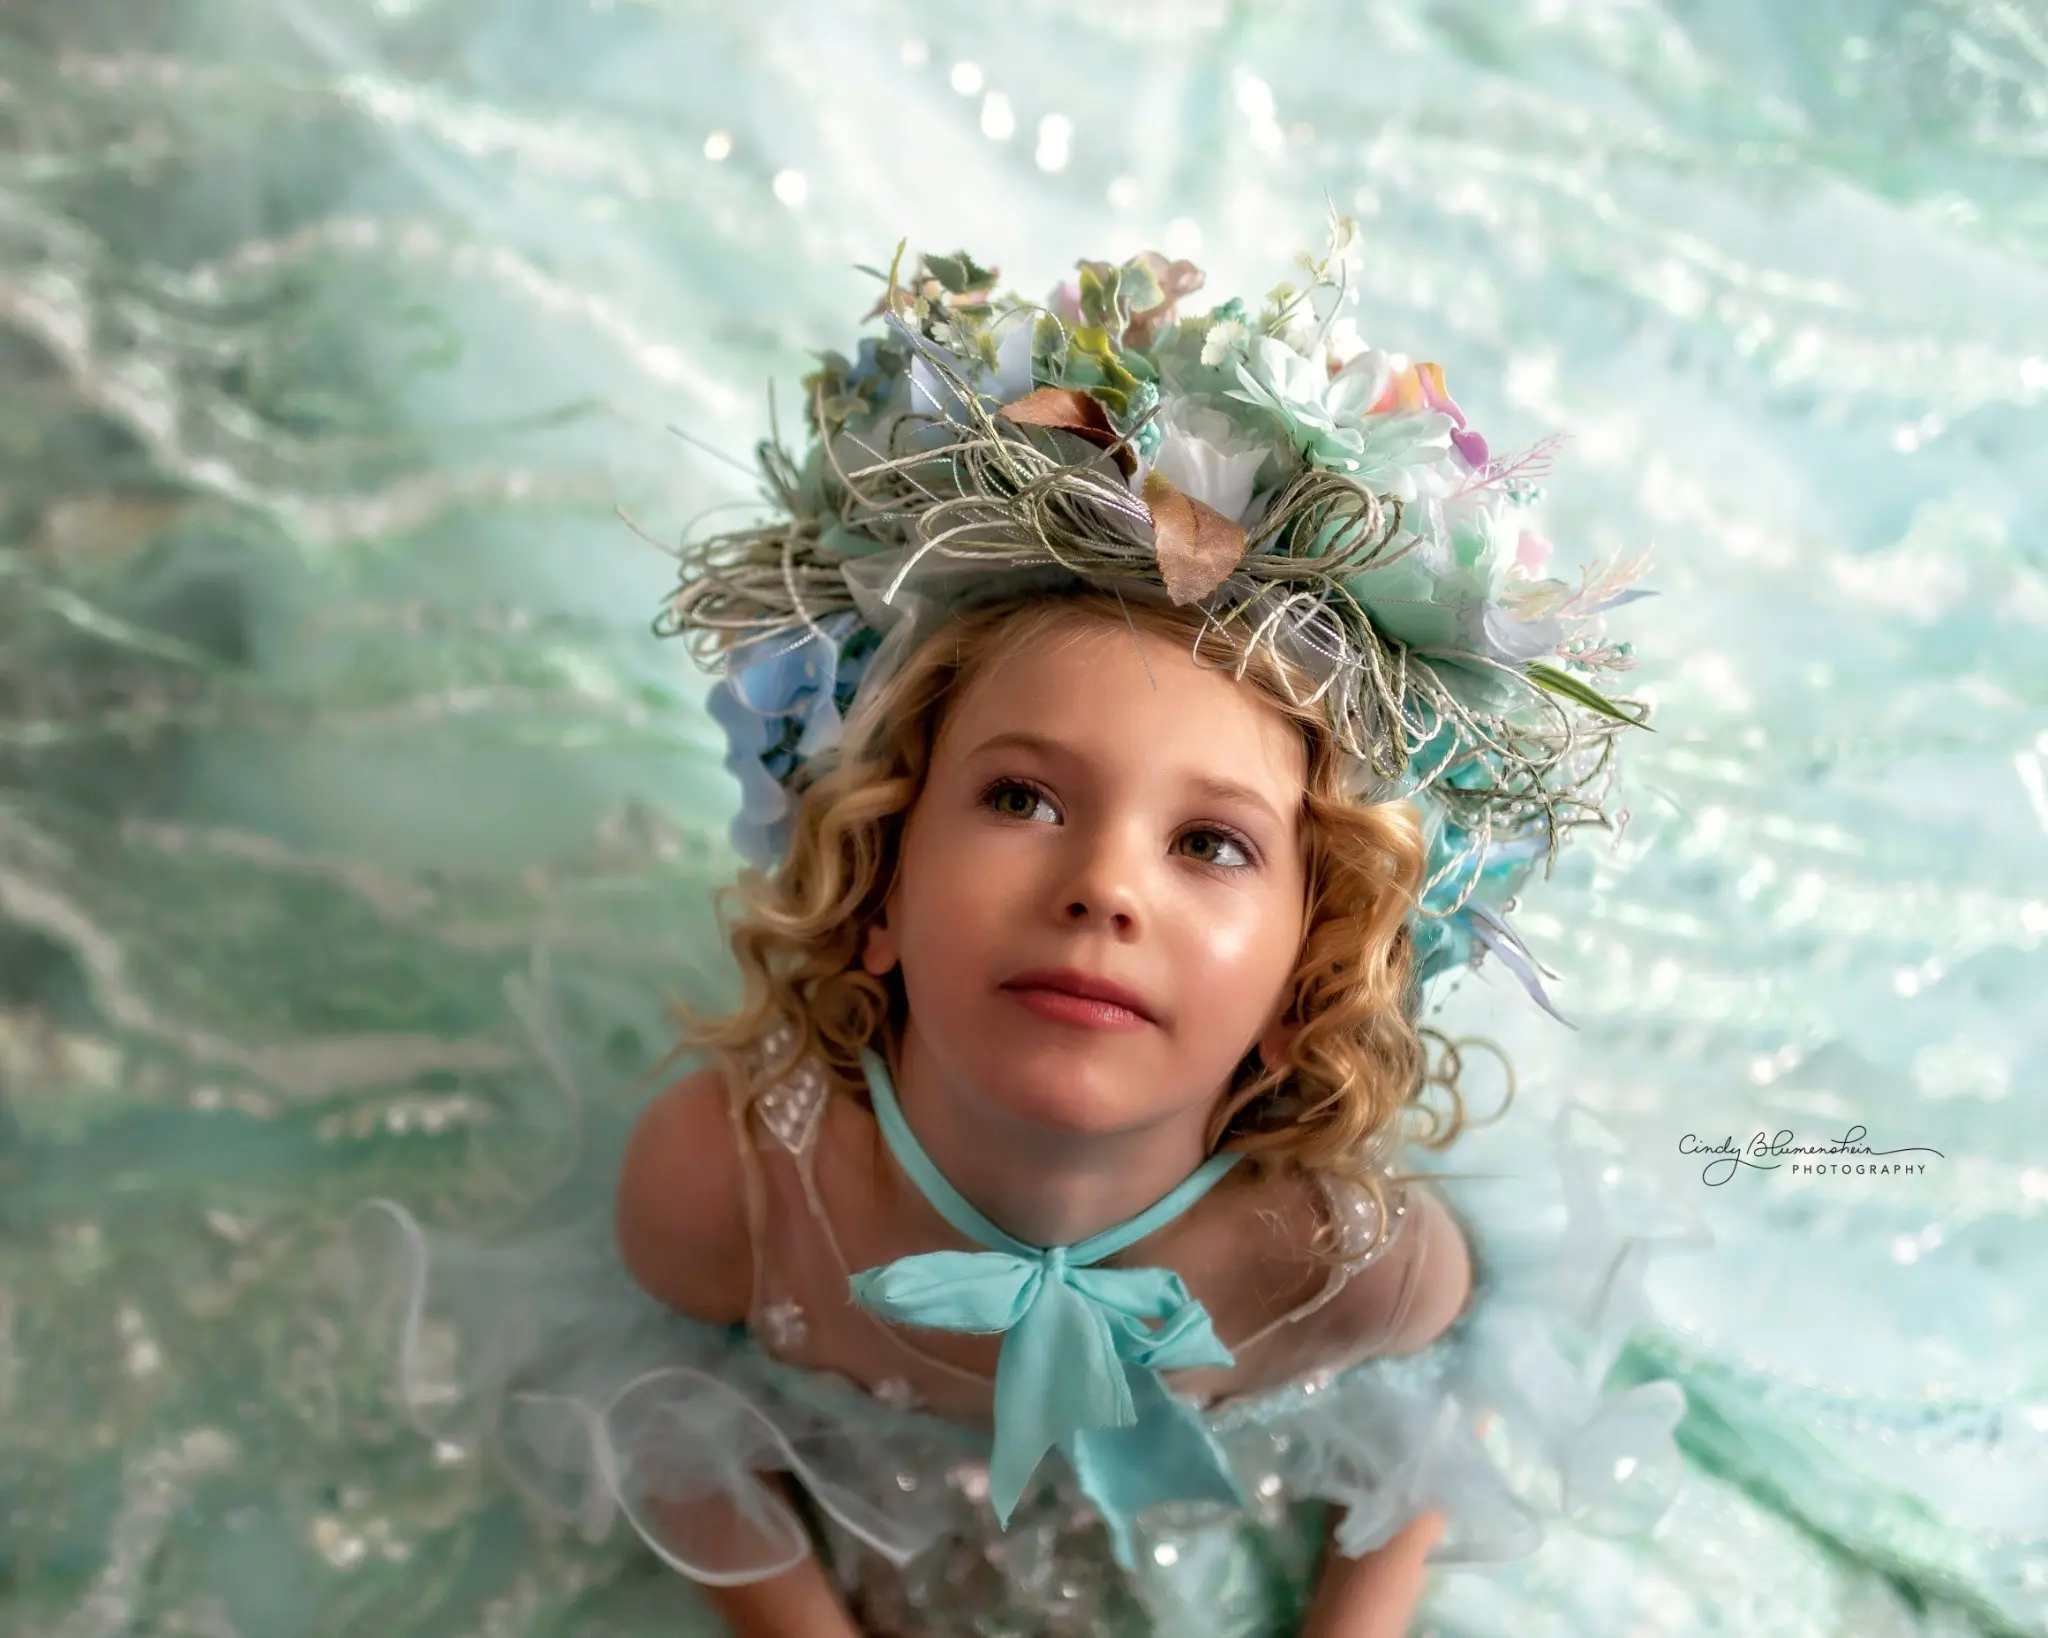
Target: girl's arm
{"x":1373,"y":1596}
{"x":683,"y":1233}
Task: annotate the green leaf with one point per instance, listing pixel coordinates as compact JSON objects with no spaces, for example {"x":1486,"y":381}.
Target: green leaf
{"x":1093,"y":340}
{"x":825,"y":387}
{"x":1141,"y":289}
{"x":1048,"y":349}
{"x":1116,"y":385}
{"x":1554,"y":681}
{"x":1099,"y":286}
{"x":895,"y":271}
{"x":959,"y":272}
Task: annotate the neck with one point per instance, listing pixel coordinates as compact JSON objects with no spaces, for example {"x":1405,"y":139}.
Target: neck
{"x":1044,"y":1186}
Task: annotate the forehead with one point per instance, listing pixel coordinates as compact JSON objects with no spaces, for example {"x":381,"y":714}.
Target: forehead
{"x":1135,"y":697}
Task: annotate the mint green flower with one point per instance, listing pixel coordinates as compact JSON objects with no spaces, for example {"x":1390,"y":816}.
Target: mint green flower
{"x":1331,"y":421}
{"x":1445,"y":595}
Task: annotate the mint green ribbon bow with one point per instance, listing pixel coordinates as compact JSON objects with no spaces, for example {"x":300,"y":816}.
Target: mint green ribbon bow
{"x":1082,"y":1347}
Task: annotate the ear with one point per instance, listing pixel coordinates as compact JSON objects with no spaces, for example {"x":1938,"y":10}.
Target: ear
{"x":1279,"y":1036}
{"x":878,"y":949}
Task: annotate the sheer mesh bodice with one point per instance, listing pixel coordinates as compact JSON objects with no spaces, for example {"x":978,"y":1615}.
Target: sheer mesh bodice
{"x":810,"y":1157}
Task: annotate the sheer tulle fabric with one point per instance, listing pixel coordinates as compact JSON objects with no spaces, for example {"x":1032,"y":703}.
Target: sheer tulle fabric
{"x":599,"y":1403}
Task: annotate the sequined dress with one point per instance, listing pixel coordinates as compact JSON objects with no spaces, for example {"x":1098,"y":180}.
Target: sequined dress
{"x":598,"y":1402}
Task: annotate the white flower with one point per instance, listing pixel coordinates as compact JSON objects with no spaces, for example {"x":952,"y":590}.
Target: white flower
{"x":1224,"y":339}
{"x":1206,"y":457}
{"x":1355,"y":388}
{"x":1344,"y":343}
{"x":1299,"y":333}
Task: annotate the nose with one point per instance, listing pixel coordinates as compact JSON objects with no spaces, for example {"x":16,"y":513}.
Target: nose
{"x":1108,"y":874}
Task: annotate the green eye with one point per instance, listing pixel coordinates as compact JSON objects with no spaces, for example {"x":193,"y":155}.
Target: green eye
{"x":1030,"y":797}
{"x":1224,"y":839}
{"x":1015,"y":799}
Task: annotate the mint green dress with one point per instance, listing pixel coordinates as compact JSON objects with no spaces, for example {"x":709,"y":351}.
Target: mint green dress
{"x":604,"y":1408}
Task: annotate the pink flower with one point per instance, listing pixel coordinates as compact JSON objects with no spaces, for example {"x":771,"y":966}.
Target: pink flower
{"x":1065,"y":300}
{"x":1532,"y":551}
{"x":1421,"y":387}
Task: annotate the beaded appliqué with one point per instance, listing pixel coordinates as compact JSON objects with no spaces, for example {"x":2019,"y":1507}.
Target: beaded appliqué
{"x":784,"y":1325}
{"x":897,"y":1393}
{"x":1364,"y":1234}
{"x":794,"y":1105}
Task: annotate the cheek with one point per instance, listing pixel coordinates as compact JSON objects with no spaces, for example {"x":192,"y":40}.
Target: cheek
{"x":955,"y":902}
{"x":1243,"y":936}
{"x":1235,"y":958}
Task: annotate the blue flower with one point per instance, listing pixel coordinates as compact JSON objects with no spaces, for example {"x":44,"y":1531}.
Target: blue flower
{"x":1006,"y":383}
{"x":868,"y":362}
{"x":763,"y":803}
{"x":780,"y":703}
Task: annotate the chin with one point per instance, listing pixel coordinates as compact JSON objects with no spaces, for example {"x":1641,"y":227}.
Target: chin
{"x":1069,"y":1080}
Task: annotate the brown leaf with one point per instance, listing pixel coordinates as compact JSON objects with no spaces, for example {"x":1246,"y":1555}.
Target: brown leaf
{"x":1068,"y":410}
{"x":1197,"y":545}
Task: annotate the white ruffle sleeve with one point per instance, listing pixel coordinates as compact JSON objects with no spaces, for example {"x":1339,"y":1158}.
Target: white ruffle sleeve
{"x":1505,"y":1423}
{"x":597,"y":1403}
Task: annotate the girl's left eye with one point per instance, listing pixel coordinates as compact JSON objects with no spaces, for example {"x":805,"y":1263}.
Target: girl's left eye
{"x":1025,"y":801}
{"x":1225,"y":839}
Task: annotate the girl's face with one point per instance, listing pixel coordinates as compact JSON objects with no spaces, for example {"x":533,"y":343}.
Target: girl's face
{"x":1124,"y":814}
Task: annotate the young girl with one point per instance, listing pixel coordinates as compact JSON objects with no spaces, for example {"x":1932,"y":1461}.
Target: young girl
{"x":1133,"y":716}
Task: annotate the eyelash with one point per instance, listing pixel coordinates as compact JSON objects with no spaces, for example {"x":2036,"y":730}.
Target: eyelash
{"x":1236,"y":837}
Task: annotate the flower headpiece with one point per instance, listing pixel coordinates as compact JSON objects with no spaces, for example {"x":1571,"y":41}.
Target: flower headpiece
{"x":1309,"y":491}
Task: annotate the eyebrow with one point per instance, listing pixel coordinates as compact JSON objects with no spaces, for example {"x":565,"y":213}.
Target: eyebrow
{"x":1205,"y":784}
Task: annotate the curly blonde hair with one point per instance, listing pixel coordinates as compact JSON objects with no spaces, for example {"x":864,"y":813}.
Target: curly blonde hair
{"x":1356,"y":1061}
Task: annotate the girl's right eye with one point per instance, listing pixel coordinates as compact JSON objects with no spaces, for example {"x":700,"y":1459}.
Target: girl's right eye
{"x":1025,"y":799}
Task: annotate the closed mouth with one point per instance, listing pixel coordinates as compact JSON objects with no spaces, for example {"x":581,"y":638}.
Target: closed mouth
{"x":1086,"y":986}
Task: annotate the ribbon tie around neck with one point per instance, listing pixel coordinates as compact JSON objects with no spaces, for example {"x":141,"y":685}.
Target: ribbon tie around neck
{"x":1082,"y":1346}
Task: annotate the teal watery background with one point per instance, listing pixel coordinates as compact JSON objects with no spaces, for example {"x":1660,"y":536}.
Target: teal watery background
{"x":331,"y":336}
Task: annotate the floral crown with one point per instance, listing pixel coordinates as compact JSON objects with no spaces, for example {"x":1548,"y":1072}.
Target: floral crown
{"x":1308,"y":491}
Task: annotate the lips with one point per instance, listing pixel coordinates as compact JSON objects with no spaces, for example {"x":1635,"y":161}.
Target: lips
{"x":1088,"y":986}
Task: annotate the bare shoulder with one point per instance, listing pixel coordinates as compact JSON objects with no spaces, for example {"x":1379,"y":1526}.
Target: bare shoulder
{"x":1415,"y":1291}
{"x":682,"y":1208}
